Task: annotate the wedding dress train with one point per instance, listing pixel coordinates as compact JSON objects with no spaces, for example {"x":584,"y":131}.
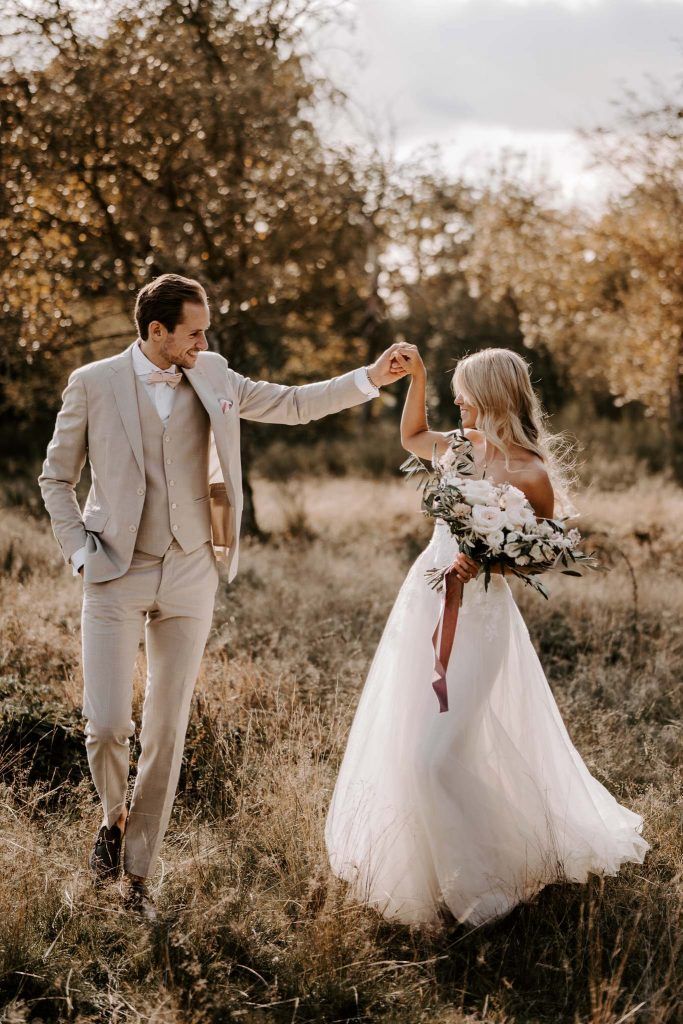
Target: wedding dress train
{"x":478,"y":807}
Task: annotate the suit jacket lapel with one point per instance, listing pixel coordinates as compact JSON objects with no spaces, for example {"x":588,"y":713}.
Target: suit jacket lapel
{"x":123,"y":384}
{"x":209,"y":399}
{"x":206,"y":395}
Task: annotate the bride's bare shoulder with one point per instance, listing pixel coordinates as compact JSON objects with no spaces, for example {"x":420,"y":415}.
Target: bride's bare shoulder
{"x":531,"y":476}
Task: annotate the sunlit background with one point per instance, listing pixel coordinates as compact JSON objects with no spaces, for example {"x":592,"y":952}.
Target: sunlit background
{"x":460,"y":173}
{"x":343,"y":174}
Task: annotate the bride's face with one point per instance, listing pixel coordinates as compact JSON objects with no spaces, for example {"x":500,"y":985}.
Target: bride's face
{"x":468,"y":411}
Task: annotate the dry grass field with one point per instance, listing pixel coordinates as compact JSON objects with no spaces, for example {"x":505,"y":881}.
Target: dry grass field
{"x":252,"y":926}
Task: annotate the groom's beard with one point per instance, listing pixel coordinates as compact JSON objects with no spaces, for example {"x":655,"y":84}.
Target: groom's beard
{"x":187,"y":360}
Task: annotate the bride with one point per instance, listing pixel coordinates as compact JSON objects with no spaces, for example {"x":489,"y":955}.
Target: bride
{"x":474,"y":810}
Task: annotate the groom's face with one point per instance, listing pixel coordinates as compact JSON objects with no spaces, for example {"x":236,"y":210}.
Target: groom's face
{"x":182,"y":346}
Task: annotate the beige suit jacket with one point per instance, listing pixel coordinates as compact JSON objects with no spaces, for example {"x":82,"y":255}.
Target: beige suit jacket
{"x":99,"y":420}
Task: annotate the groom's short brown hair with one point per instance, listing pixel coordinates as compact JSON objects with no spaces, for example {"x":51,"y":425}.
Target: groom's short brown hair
{"x":162,"y":299}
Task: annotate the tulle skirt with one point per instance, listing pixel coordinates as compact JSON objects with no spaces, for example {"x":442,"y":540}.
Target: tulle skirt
{"x":479,"y":807}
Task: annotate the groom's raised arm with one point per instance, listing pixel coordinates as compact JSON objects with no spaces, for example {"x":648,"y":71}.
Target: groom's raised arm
{"x":62,"y":468}
{"x":293,"y":404}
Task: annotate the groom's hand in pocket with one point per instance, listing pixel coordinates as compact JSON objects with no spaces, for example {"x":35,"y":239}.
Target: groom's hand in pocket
{"x":386,"y":369}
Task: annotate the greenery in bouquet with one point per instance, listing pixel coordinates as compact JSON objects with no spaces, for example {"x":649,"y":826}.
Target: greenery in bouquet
{"x":494,"y":524}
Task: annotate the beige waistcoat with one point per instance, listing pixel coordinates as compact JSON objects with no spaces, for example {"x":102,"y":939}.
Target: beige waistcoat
{"x":176,"y":461}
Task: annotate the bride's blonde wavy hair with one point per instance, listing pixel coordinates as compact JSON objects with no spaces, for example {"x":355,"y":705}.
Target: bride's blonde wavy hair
{"x":509,"y":412}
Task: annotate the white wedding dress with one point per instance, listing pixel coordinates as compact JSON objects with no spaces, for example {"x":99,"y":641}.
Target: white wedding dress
{"x":478,"y":807}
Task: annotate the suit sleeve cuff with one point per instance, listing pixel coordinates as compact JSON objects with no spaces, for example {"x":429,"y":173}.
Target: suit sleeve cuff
{"x":363,"y":383}
{"x":78,"y":560}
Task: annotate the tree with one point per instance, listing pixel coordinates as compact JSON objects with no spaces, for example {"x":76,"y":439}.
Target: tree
{"x":603,"y":292}
{"x":178,"y":139}
{"x":439,"y":221}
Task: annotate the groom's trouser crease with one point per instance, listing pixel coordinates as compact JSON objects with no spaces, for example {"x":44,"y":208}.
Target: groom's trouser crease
{"x":171,"y":599}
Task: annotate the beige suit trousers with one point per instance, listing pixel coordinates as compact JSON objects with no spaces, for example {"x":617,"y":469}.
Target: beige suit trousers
{"x":170,"y":599}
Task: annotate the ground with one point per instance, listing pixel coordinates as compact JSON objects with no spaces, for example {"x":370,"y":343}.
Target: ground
{"x":253,"y":927}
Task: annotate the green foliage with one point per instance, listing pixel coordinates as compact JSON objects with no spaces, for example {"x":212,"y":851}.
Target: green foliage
{"x":181,"y":136}
{"x":178,"y":139}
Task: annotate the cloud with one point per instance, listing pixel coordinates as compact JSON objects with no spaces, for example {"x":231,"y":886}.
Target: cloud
{"x":528,"y":65}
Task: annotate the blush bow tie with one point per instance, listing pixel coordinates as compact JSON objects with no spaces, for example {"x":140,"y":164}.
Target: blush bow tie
{"x":164,"y":377}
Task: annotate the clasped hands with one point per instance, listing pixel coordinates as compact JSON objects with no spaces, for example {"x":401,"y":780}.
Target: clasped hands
{"x":399,"y":360}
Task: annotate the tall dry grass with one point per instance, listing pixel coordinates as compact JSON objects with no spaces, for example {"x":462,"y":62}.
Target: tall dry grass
{"x":253,"y":928}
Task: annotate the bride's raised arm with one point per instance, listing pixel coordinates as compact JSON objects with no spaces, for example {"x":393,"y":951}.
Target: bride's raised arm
{"x":416,"y":437}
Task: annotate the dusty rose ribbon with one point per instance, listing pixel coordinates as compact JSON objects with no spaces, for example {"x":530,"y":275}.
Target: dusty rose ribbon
{"x":444,"y":635}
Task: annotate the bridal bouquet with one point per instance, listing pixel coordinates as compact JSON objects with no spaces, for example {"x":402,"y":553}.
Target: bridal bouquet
{"x":494,"y":523}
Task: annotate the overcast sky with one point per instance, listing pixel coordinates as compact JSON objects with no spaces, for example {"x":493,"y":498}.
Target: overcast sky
{"x":475,"y":75}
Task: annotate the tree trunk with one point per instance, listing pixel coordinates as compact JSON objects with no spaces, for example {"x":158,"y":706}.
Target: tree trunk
{"x":676,"y":421}
{"x":250,"y":526}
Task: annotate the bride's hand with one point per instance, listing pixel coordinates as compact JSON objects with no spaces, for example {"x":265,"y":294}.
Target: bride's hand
{"x":464,"y":567}
{"x":409,"y":359}
{"x":385,"y":369}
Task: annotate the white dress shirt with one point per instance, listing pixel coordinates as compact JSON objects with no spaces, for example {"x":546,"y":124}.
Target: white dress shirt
{"x":162,"y":397}
{"x":363,"y":382}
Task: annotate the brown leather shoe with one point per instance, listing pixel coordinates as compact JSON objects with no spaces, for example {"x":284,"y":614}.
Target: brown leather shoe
{"x":136,"y":897}
{"x":105,"y":858}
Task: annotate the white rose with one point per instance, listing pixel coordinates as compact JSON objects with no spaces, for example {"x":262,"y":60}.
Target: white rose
{"x":536,"y":553}
{"x":518,"y":519}
{"x":495,"y":540}
{"x":486,"y":519}
{"x":522,"y":559}
{"x":512,"y":497}
{"x":478,"y":492}
{"x":514,"y":518}
{"x":513,"y":548}
{"x":516,"y":506}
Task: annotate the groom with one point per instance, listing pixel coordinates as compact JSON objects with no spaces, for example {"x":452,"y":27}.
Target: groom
{"x":159,"y":512}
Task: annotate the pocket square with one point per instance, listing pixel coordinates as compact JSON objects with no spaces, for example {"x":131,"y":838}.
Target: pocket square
{"x":226,"y":404}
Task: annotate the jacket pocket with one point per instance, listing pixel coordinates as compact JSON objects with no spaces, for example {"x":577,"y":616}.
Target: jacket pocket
{"x":95,"y":522}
